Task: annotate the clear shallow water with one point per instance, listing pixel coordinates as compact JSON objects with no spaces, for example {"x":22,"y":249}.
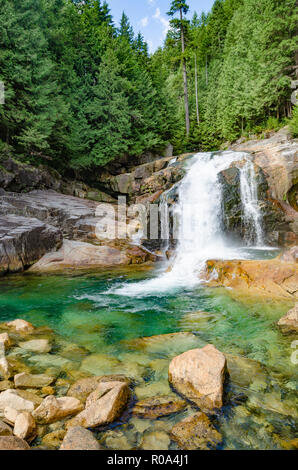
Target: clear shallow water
{"x":260,"y":410}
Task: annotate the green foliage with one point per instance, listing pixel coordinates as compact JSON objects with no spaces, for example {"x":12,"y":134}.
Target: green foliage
{"x":294,"y":122}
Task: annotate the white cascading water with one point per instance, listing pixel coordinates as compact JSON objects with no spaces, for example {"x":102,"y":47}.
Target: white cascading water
{"x":200,"y":233}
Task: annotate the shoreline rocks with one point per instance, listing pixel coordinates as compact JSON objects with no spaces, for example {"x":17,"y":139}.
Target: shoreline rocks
{"x":196,"y":433}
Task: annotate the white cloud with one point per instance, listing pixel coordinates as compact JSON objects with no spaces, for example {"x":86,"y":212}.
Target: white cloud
{"x":144,"y":22}
{"x":164,"y":22}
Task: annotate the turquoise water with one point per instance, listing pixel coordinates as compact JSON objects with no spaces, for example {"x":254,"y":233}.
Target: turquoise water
{"x":260,"y":406}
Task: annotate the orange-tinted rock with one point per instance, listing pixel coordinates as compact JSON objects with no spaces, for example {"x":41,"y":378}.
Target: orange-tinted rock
{"x":196,"y":432}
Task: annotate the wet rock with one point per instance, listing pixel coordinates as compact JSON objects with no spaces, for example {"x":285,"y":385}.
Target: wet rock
{"x":152,"y":408}
{"x":152,"y":389}
{"x":196,"y":432}
{"x":168,"y":344}
{"x":48,"y":391}
{"x":51,"y":360}
{"x":156,"y":440}
{"x":20,"y":326}
{"x":5,"y":385}
{"x":81,"y":255}
{"x":30,"y":395}
{"x":24,"y":380}
{"x":244,"y":371}
{"x":289,"y":323}
{"x":103,"y":406}
{"x":5,"y":430}
{"x":36,"y":345}
{"x":255,"y":277}
{"x":78,"y":438}
{"x":54,"y":439}
{"x":101,"y":364}
{"x":13,"y":399}
{"x":23,"y":241}
{"x":13,"y":443}
{"x":24,"y":426}
{"x":199,"y":375}
{"x":116,"y":440}
{"x":5,"y":340}
{"x":53,"y":409}
{"x":5,"y":370}
{"x":82,"y":388}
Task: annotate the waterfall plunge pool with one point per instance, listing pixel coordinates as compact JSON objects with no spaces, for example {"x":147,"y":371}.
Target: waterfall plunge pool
{"x":95,"y":328}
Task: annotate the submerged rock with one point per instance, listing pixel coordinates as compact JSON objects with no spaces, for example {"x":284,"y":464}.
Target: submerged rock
{"x":24,"y":380}
{"x":199,"y":375}
{"x":155,"y":440}
{"x":54,"y":439}
{"x":78,"y":438}
{"x":36,"y":345}
{"x":152,"y":408}
{"x":289,"y":323}
{"x":196,"y":432}
{"x":82,"y":388}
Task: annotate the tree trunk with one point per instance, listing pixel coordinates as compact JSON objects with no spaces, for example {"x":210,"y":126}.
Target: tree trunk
{"x":197,"y":97}
{"x":187,"y":123}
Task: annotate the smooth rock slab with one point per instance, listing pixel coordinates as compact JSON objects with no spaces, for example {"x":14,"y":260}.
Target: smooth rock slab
{"x":199,"y":375}
{"x":53,"y":409}
{"x":23,"y":241}
{"x":78,"y":438}
{"x":24,"y":380}
{"x":13,"y":443}
{"x":152,"y":408}
{"x":196,"y":432}
{"x":103,"y":406}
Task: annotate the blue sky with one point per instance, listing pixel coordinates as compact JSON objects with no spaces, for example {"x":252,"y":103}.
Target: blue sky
{"x":150,"y":18}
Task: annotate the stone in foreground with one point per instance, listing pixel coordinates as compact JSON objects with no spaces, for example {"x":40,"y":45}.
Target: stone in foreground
{"x":78,"y":438}
{"x":103,"y":406}
{"x":196,"y":432}
{"x":12,"y":398}
{"x":25,"y":427}
{"x":5,"y":430}
{"x":13,"y":443}
{"x":152,"y":408}
{"x":53,"y":409}
{"x":199,"y":375}
{"x":289,"y":323}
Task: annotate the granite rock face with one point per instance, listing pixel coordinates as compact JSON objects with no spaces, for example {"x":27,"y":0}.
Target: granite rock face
{"x":23,"y":241}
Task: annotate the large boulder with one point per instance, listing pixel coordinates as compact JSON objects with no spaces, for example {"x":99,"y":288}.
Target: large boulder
{"x":23,"y":241}
{"x":199,"y":375}
{"x":196,"y":433}
{"x":103,"y":406}
{"x":78,"y":438}
{"x":289,"y":323}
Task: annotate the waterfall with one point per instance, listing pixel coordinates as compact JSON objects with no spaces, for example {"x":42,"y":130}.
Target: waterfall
{"x":199,"y":231}
{"x":252,"y":217}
